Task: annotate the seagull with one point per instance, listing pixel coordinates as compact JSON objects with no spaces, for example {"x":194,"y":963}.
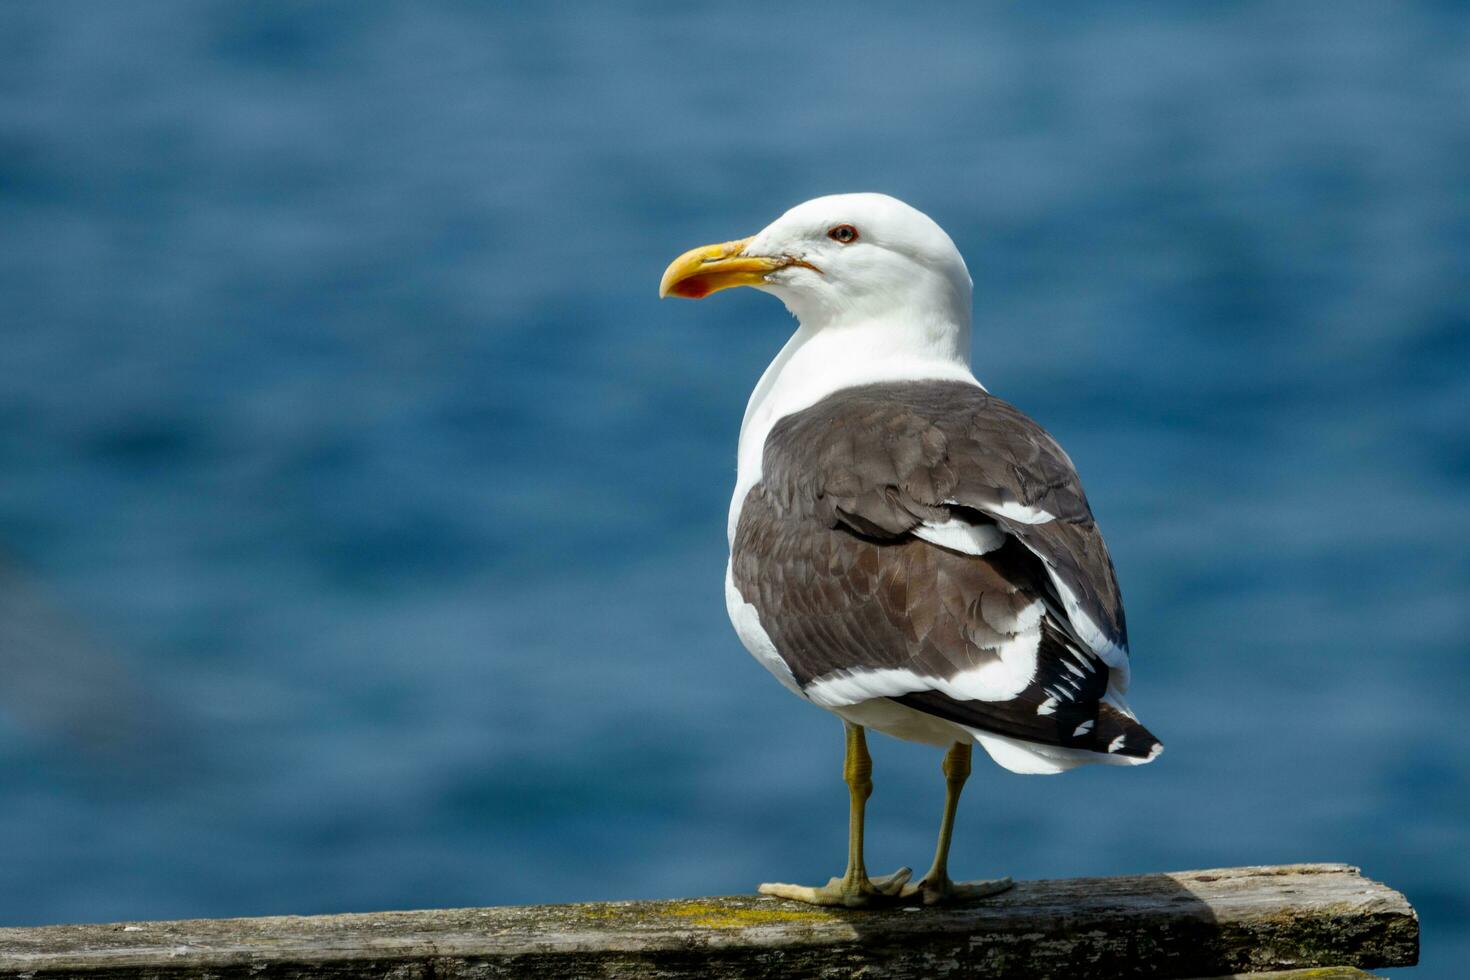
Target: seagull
{"x":908,"y":551}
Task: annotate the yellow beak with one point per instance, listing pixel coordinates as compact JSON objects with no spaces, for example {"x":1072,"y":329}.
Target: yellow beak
{"x":710,"y":268}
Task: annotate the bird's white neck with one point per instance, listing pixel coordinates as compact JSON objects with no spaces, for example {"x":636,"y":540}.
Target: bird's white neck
{"x":820,"y":360}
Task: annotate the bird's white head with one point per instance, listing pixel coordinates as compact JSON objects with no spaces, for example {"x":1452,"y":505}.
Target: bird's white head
{"x":864,"y":261}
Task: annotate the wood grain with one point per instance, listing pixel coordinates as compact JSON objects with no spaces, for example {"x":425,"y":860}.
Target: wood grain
{"x":1179,"y":925}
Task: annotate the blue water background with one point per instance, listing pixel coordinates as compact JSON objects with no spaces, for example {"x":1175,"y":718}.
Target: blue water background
{"x":362,"y":511}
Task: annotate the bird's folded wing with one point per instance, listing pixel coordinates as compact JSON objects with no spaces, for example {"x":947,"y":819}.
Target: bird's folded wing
{"x":929,"y":543}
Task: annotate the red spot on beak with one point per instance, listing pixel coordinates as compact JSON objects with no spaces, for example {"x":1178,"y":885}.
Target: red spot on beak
{"x":695,"y":287}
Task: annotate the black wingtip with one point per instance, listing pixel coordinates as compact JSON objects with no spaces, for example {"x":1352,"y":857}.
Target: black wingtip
{"x":1118,"y":734}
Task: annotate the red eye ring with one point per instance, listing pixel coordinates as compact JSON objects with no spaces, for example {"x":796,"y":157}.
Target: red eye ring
{"x":843,"y":234}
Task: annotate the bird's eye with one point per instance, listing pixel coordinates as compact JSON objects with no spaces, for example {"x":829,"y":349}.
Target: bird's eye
{"x":846,"y":234}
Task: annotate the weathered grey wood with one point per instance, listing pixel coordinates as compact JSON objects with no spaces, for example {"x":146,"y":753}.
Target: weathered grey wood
{"x":1188,"y":924}
{"x":1310,"y":973}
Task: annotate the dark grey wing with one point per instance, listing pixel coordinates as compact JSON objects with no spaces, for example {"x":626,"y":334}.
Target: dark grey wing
{"x":835,"y":547}
{"x":888,"y":458}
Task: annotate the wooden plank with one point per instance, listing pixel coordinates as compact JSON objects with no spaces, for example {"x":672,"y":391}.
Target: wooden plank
{"x":1310,"y":973}
{"x":1187,"y":924}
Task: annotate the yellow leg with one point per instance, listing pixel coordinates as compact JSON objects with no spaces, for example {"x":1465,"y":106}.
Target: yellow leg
{"x":854,"y":889}
{"x":857,"y":772}
{"x":936,"y":888}
{"x":956,"y":768}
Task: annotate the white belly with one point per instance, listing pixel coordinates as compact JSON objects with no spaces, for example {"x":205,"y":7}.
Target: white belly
{"x":901,"y":721}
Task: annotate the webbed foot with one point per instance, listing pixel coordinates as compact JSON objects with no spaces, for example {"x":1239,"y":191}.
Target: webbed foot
{"x":942,"y":891}
{"x":853,"y":891}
